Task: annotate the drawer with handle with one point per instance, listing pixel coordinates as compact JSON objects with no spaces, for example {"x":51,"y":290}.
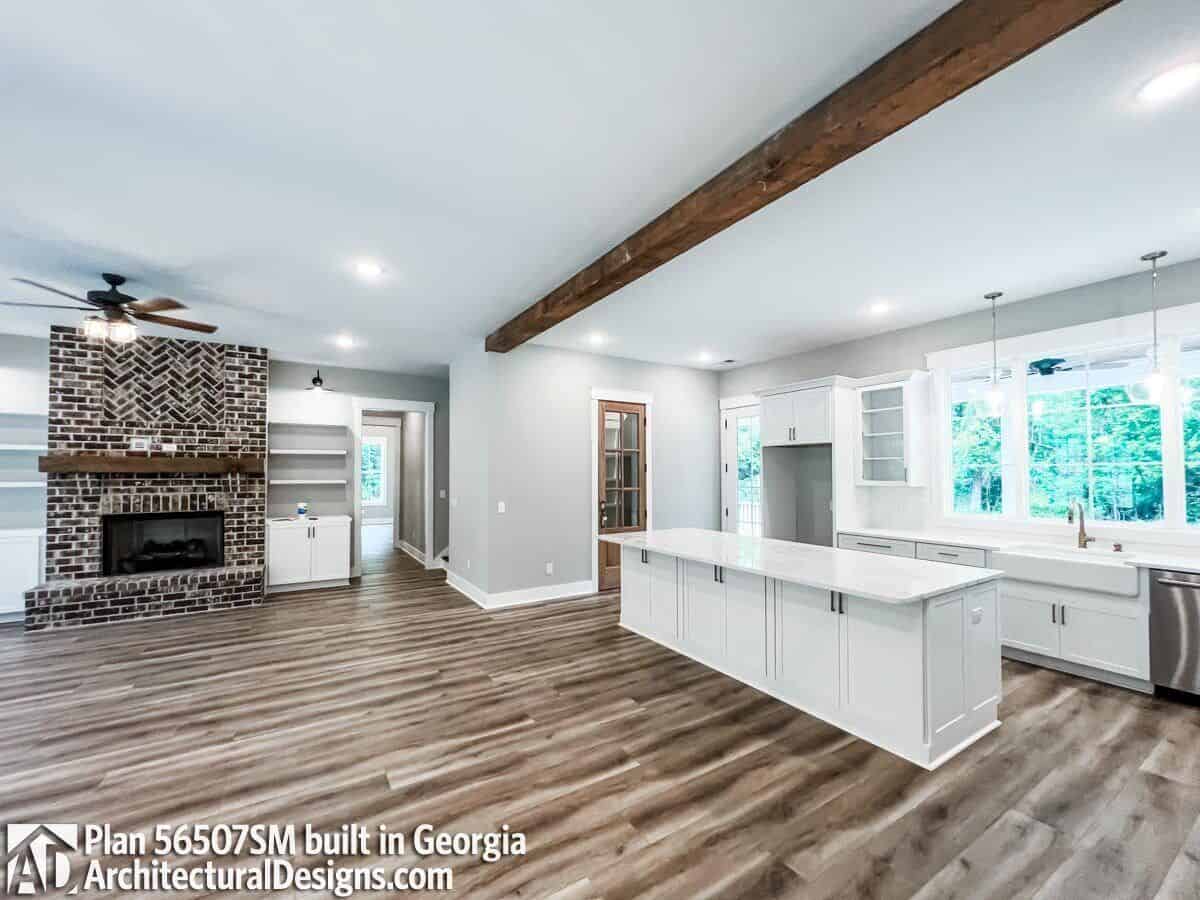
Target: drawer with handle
{"x":960,"y":556}
{"x":877,"y":545}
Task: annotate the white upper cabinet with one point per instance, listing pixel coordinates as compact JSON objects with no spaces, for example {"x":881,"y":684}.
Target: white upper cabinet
{"x":797,"y":417}
{"x":893,"y":446}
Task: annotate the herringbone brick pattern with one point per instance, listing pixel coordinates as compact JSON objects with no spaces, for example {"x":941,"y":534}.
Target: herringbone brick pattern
{"x":165,"y":381}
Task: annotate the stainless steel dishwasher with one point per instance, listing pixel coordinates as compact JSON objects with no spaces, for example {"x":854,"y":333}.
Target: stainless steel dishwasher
{"x":1175,"y":630}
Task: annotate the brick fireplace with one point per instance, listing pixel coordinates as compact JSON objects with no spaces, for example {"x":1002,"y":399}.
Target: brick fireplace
{"x":210,"y":401}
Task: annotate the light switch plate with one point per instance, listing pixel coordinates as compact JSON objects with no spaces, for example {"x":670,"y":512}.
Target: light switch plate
{"x":141,"y":444}
{"x":500,"y":507}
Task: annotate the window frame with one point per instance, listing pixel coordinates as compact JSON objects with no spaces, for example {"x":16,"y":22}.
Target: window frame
{"x":381,"y":441}
{"x":1177,"y":326}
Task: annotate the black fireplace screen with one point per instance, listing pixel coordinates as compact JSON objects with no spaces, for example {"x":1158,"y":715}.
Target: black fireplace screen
{"x":157,"y":542}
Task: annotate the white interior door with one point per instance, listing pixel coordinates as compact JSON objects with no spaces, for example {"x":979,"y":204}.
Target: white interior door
{"x":741,"y":471}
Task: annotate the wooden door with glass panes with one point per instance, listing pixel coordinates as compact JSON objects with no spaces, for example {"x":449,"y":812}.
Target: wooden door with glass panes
{"x":622,"y":487}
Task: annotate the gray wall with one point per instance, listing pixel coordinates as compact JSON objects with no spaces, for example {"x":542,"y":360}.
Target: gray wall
{"x":470,"y":412}
{"x":24,"y":379}
{"x":536,"y":406}
{"x":412,"y":480}
{"x":906,"y":349}
{"x":287,"y":377}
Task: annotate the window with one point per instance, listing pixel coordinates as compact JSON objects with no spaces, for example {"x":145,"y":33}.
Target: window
{"x":1094,"y":436}
{"x":749,"y":476}
{"x":374,"y":470}
{"x":975,"y":442}
{"x":1189,"y":400}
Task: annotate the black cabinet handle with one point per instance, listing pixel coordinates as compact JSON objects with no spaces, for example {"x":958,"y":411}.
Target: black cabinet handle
{"x":1062,"y":615}
{"x":832,"y":607}
{"x":841,"y":605}
{"x":1053,"y":614}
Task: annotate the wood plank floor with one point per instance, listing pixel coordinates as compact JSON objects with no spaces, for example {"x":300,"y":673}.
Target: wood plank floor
{"x":633,"y":771}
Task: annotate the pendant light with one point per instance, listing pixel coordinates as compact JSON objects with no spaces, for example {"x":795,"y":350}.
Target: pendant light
{"x":995,"y":396}
{"x":1154,"y":381}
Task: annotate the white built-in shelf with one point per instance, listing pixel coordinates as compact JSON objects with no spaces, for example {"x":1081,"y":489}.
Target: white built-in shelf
{"x":882,"y":409}
{"x":18,"y":485}
{"x":880,"y":458}
{"x":308,"y":481}
{"x":25,"y":448}
{"x":307,"y":452}
{"x":882,"y":433}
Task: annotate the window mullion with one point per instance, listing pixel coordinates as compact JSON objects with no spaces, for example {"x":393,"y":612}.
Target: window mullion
{"x":1015,"y":444}
{"x":1173,"y":476}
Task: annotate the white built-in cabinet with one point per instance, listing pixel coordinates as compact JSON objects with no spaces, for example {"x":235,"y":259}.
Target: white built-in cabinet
{"x":21,"y":557}
{"x":893,"y":442}
{"x":310,"y":551}
{"x":1109,"y":633}
{"x":918,"y":678}
{"x":797,"y":417}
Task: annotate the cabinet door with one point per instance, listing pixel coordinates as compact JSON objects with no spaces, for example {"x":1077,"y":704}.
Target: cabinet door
{"x":746,"y":624}
{"x":20,"y":568}
{"x":1028,"y":623}
{"x":289,"y":554}
{"x":704,"y":611}
{"x":1106,"y":640}
{"x":635,"y":589}
{"x":331,"y":551}
{"x":777,"y":420}
{"x":664,"y":596}
{"x":882,"y":666}
{"x":807,"y":650}
{"x":810,"y":417}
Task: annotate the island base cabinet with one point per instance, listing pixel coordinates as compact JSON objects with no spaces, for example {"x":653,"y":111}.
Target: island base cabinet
{"x":920,"y":679}
{"x":635,"y":589}
{"x":807,"y":642}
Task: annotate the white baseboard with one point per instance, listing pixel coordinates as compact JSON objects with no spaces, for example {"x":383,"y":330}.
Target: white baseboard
{"x":412,"y":551}
{"x":439,"y":561}
{"x":307,"y":586}
{"x":522,"y":597}
{"x":377,"y":521}
{"x":1064,"y":665}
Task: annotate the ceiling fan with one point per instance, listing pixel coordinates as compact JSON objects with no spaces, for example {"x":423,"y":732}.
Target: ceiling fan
{"x":116,"y":311}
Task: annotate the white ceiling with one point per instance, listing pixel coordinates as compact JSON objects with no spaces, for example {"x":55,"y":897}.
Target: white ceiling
{"x":240,"y":156}
{"x":1047,"y":176}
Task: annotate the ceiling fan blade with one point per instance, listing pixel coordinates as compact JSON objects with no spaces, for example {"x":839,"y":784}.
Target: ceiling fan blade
{"x":44,"y":305}
{"x":172,"y":322}
{"x":157,"y":304}
{"x":46,"y":287}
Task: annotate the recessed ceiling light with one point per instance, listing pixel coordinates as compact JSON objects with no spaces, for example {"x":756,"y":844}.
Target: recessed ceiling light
{"x":879,"y":308}
{"x":704,"y":356}
{"x":344,"y":341}
{"x":368,"y":270}
{"x":1171,"y":84}
{"x":597,"y":339}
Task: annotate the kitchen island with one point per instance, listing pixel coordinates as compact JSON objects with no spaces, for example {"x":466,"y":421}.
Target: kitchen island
{"x":902,"y":653}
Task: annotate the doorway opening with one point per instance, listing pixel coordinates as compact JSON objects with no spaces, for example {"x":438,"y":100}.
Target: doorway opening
{"x":393,"y":483}
{"x":741,"y":471}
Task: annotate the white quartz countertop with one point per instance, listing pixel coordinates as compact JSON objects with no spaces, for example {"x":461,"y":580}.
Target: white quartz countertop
{"x":1175,"y":559}
{"x":888,"y":579}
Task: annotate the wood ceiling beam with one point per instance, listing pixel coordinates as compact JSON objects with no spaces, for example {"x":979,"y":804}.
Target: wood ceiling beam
{"x":966,"y":45}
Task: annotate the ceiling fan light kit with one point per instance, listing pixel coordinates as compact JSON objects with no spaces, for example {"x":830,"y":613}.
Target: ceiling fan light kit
{"x":117,"y":312}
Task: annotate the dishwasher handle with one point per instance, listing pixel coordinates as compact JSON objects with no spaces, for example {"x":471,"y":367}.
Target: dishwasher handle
{"x":1175,"y":582}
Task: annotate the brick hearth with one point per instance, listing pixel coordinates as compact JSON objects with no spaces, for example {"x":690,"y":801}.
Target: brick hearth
{"x":208,"y":400}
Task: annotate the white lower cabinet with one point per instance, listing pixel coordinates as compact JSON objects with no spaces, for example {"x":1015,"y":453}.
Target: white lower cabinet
{"x":704,"y":621}
{"x":1111,"y":634}
{"x":308,"y":551}
{"x":746,"y":629}
{"x":921,"y":679}
{"x":20,"y":568}
{"x":1104,"y":639}
{"x":808,"y":645}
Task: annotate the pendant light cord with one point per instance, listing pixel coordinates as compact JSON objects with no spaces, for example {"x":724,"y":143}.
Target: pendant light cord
{"x":1154,"y":307}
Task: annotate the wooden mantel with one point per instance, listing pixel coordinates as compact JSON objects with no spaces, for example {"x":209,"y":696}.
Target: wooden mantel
{"x":113,"y":463}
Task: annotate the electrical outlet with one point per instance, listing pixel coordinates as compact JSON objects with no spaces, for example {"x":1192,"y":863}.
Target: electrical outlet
{"x":468,"y":564}
{"x":500,"y":507}
{"x":139,"y":443}
{"x":442,"y":494}
{"x":549,"y":568}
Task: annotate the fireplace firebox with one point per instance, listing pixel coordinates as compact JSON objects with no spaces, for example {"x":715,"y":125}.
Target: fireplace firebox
{"x":157,"y":542}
